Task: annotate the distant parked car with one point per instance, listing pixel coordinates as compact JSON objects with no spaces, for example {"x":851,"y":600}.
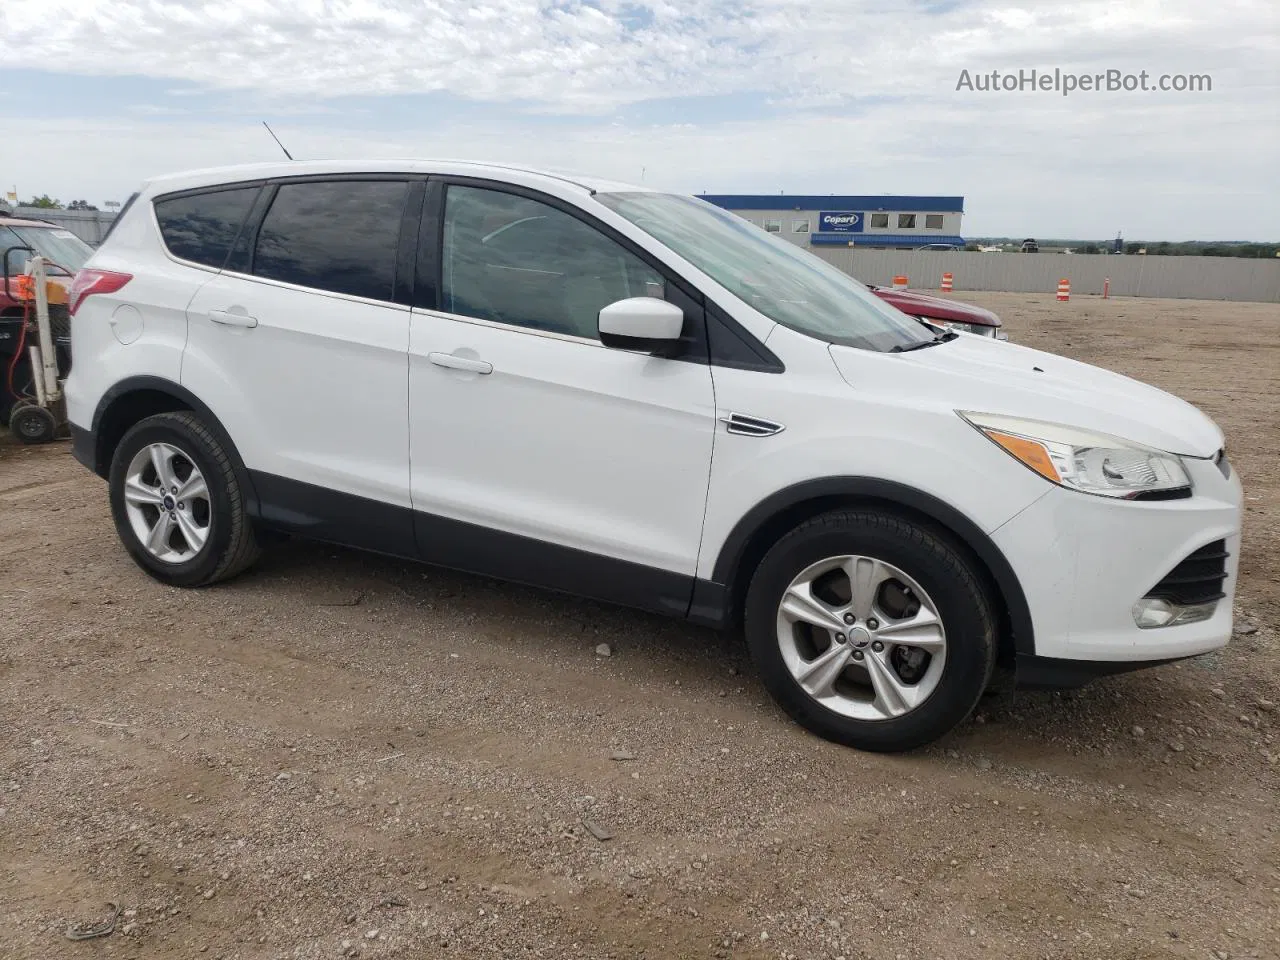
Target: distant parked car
{"x":942,"y":312}
{"x":1029,"y":245}
{"x":67,"y":253}
{"x":936,"y":246}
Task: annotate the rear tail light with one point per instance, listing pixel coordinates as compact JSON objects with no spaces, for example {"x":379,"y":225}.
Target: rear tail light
{"x":88,"y":282}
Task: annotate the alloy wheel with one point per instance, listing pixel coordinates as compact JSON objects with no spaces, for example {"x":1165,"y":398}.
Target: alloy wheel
{"x":861,"y":637}
{"x":167,"y":502}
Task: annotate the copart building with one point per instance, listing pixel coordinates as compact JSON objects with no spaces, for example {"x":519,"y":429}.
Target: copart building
{"x":904,"y":223}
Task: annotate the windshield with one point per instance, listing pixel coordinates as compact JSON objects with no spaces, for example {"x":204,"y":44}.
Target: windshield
{"x":782,"y":281}
{"x":61,"y":246}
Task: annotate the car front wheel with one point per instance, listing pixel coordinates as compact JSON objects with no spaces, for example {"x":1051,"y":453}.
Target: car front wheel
{"x":871,"y":630}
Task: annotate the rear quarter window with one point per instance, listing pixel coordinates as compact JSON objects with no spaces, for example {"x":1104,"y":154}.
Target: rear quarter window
{"x":202,"y":227}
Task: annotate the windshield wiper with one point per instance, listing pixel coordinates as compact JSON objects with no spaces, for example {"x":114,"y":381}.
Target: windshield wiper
{"x":949,"y":335}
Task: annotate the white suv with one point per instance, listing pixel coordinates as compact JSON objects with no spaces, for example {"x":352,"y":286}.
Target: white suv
{"x":636,"y":396}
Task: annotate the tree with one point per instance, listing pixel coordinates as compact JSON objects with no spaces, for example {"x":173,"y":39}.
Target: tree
{"x":44,"y":203}
{"x":1132,"y":248}
{"x":1090,"y":248}
{"x":81,"y":205}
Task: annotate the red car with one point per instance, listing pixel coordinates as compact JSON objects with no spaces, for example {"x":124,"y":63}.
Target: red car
{"x":943,"y":312}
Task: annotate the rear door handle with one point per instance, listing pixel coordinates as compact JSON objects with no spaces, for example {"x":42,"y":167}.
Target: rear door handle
{"x":233,"y":317}
{"x":454,"y":362}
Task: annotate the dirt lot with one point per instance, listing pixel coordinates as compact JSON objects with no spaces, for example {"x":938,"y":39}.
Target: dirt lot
{"x":339,"y":754}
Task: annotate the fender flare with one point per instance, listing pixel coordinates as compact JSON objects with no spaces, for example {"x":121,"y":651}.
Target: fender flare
{"x":833,"y":490}
{"x":151,"y":384}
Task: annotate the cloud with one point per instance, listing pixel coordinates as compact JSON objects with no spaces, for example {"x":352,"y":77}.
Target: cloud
{"x":591,"y":55}
{"x":725,"y":95}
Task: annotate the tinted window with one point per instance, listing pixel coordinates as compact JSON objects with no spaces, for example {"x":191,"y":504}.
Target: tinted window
{"x":339,"y":236}
{"x":202,"y":227}
{"x":518,"y":261}
{"x":933,"y":221}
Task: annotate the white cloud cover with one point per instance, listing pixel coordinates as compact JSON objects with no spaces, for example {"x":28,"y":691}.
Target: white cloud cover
{"x":869,"y":90}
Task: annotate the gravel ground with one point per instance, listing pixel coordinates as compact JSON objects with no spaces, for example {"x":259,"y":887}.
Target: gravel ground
{"x":344,"y":755}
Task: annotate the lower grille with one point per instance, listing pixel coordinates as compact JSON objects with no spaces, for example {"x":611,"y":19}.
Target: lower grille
{"x":1197,"y":579}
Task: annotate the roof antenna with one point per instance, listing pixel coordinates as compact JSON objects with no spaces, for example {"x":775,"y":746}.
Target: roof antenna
{"x":277,"y":140}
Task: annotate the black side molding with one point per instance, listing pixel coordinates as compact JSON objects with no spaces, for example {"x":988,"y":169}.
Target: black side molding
{"x":537,"y":563}
{"x":318,"y":513}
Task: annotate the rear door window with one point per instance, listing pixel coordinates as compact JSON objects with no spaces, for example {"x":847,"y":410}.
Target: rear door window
{"x":201,"y":227}
{"x":339,"y":236}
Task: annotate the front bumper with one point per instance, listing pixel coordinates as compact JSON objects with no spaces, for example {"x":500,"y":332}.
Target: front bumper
{"x":1084,"y":560}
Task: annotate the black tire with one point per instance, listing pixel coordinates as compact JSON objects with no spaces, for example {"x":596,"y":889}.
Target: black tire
{"x":231,"y":546}
{"x":937,"y":565}
{"x":32,"y":424}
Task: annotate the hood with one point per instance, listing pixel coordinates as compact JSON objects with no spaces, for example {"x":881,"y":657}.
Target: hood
{"x":982,"y":375}
{"x":923,"y":305}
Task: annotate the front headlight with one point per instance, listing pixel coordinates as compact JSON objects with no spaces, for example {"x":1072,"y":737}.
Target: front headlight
{"x":1083,"y":460}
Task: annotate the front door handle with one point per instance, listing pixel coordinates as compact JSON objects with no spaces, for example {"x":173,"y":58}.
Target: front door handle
{"x":454,"y":362}
{"x":233,"y":317}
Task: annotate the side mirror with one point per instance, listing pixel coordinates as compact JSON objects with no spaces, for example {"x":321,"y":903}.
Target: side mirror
{"x":641,"y":323}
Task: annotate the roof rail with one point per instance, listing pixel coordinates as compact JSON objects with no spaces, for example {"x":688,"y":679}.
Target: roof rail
{"x":540,"y":173}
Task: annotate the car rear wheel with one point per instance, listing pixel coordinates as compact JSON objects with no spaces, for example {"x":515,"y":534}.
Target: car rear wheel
{"x":871,"y":630}
{"x":177,"y":502}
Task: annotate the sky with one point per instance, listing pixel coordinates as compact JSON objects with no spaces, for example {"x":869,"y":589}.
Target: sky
{"x":717,"y":96}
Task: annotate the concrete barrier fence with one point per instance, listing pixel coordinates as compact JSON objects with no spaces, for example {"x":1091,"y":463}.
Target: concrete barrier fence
{"x":1198,"y":278}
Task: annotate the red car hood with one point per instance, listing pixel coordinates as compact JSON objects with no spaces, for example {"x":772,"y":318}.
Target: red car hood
{"x":938,"y":308}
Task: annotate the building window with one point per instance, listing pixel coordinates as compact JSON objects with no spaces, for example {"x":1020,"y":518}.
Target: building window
{"x":933,"y":221}
{"x":773,"y":226}
{"x":879,"y":221}
{"x":906,"y":221}
{"x":799,"y":226}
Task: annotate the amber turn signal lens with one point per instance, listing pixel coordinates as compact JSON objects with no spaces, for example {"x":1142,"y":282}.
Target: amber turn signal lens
{"x":1033,"y":454}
